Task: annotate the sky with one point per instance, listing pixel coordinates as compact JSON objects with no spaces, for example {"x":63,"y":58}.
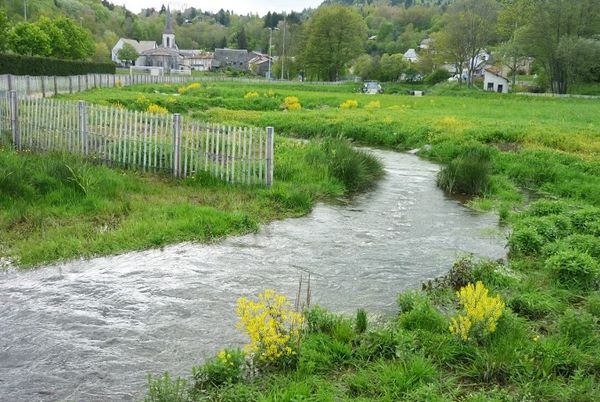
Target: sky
{"x":239,"y":6}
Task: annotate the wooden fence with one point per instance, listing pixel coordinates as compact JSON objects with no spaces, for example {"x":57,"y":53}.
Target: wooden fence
{"x":148,"y":141}
{"x":42,"y":86}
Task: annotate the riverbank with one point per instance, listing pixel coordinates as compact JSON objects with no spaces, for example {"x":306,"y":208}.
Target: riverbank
{"x":57,"y":207}
{"x":545,"y":345}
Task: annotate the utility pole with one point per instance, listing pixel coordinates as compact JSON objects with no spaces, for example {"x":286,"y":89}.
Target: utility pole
{"x":283,"y":52}
{"x":270,"y":46}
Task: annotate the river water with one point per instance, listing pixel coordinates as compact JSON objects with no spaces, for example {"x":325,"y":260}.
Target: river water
{"x":92,"y":330}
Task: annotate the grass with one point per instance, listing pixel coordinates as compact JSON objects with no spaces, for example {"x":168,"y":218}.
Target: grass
{"x":56,"y":207}
{"x":541,"y":150}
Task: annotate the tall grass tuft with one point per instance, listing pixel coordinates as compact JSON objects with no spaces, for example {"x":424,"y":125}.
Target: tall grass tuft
{"x":357,"y":169}
{"x":468,"y":173}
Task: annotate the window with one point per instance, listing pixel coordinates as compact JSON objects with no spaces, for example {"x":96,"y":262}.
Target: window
{"x":500,"y":88}
{"x":490,"y":86}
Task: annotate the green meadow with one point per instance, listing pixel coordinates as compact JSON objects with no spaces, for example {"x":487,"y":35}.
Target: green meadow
{"x":535,"y":160}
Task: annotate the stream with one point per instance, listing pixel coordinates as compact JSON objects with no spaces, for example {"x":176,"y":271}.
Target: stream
{"x":91,"y":330}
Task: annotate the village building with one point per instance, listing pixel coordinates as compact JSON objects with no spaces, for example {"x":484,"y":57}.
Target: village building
{"x":411,"y":56}
{"x":494,"y":81}
{"x":166,"y":55}
{"x":139,"y":46}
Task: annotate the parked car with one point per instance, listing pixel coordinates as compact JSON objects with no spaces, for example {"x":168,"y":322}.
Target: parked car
{"x":372,"y":87}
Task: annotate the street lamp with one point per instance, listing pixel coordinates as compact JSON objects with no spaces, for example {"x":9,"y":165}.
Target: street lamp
{"x":270,"y":41}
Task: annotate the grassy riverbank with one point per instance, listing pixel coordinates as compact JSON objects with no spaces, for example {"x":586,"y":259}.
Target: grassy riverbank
{"x":55,"y":207}
{"x":546,"y":345}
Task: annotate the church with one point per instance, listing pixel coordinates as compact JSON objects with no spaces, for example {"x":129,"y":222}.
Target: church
{"x":167,"y":55}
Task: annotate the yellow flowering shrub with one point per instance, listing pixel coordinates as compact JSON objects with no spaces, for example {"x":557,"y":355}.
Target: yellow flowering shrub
{"x":172,"y":100}
{"x":251,"y":95}
{"x":156,"y":109}
{"x":373,"y":105}
{"x":272,"y":326}
{"x":118,"y":84}
{"x":188,"y":88}
{"x":291,"y":103}
{"x":349,"y":104}
{"x":480,"y":312}
{"x":270,"y":94}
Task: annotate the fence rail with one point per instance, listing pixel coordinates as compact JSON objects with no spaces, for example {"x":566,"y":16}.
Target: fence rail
{"x":148,"y":141}
{"x":43,"y":86}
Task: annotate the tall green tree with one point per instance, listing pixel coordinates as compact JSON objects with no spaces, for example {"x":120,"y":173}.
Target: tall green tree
{"x":4,"y":28}
{"x":470,"y":26}
{"x":334,"y":36}
{"x":29,"y":40}
{"x":81,"y":45}
{"x":559,"y":34}
{"x":59,"y":44}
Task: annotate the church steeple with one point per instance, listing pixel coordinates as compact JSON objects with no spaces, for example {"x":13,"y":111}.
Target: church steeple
{"x":168,"y":33}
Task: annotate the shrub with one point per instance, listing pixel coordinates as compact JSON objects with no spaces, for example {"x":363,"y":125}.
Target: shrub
{"x":349,"y":104}
{"x":573,"y":269}
{"x":468,"y":173}
{"x":480,"y":312}
{"x":156,"y":109}
{"x":272,"y":326}
{"x":361,"y":321}
{"x":377,"y":344}
{"x":578,"y":327}
{"x":525,"y":241}
{"x":545,"y":207}
{"x":163,"y":389}
{"x":408,"y":300}
{"x":31,"y":65}
{"x":437,"y":76}
{"x":578,"y":242}
{"x":291,"y":103}
{"x":373,"y":105}
{"x":592,"y":305}
{"x":191,"y":87}
{"x":251,"y":95}
{"x":423,"y":316}
{"x":533,"y":305}
{"x":461,"y":272}
{"x":587,"y":221}
{"x":226,"y":368}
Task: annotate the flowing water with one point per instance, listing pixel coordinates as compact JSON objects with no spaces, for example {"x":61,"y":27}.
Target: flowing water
{"x":92,"y":330}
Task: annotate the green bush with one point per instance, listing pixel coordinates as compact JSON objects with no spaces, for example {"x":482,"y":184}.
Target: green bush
{"x":525,"y":241}
{"x":578,"y":327}
{"x":226,"y":368}
{"x":546,"y":207}
{"x":163,"y":389}
{"x":423,"y":316}
{"x":573,"y":269}
{"x":361,"y":321}
{"x":468,"y":173}
{"x":578,"y":242}
{"x":437,"y":76}
{"x":409,"y":299}
{"x":378,"y":344}
{"x":533,"y":305}
{"x":587,"y":221}
{"x":592,"y":305}
{"x":31,"y":65}
{"x":461,"y":272}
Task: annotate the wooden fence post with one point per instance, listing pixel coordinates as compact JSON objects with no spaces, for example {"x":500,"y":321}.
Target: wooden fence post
{"x":14,"y":119}
{"x":43,"y":80}
{"x":70,"y":84}
{"x":28,"y":83}
{"x":177,"y":145}
{"x":9,"y":82}
{"x":83,"y":129}
{"x":269,"y":154}
{"x":55,"y":86}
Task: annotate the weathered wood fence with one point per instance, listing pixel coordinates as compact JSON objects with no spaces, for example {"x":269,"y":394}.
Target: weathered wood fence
{"x":42,"y":86}
{"x":148,"y":141}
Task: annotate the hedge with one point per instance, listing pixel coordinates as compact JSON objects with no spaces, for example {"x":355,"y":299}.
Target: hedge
{"x":28,"y":65}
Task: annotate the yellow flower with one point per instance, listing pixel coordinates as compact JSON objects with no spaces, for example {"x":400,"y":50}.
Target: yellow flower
{"x":349,"y":104}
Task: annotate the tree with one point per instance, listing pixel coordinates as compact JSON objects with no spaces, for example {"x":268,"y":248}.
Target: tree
{"x":392,"y":66}
{"x":28,"y":39}
{"x":242,"y":39}
{"x":4,"y":27}
{"x":557,"y":34}
{"x":366,"y":67}
{"x":512,"y":54}
{"x":335,"y":35}
{"x":59,"y":45}
{"x":81,"y":46}
{"x":470,"y":26}
{"x":128,"y":53}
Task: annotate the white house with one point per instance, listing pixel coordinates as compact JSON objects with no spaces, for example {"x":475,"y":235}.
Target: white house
{"x":411,"y":55}
{"x":139,"y":46}
{"x":494,"y":81}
